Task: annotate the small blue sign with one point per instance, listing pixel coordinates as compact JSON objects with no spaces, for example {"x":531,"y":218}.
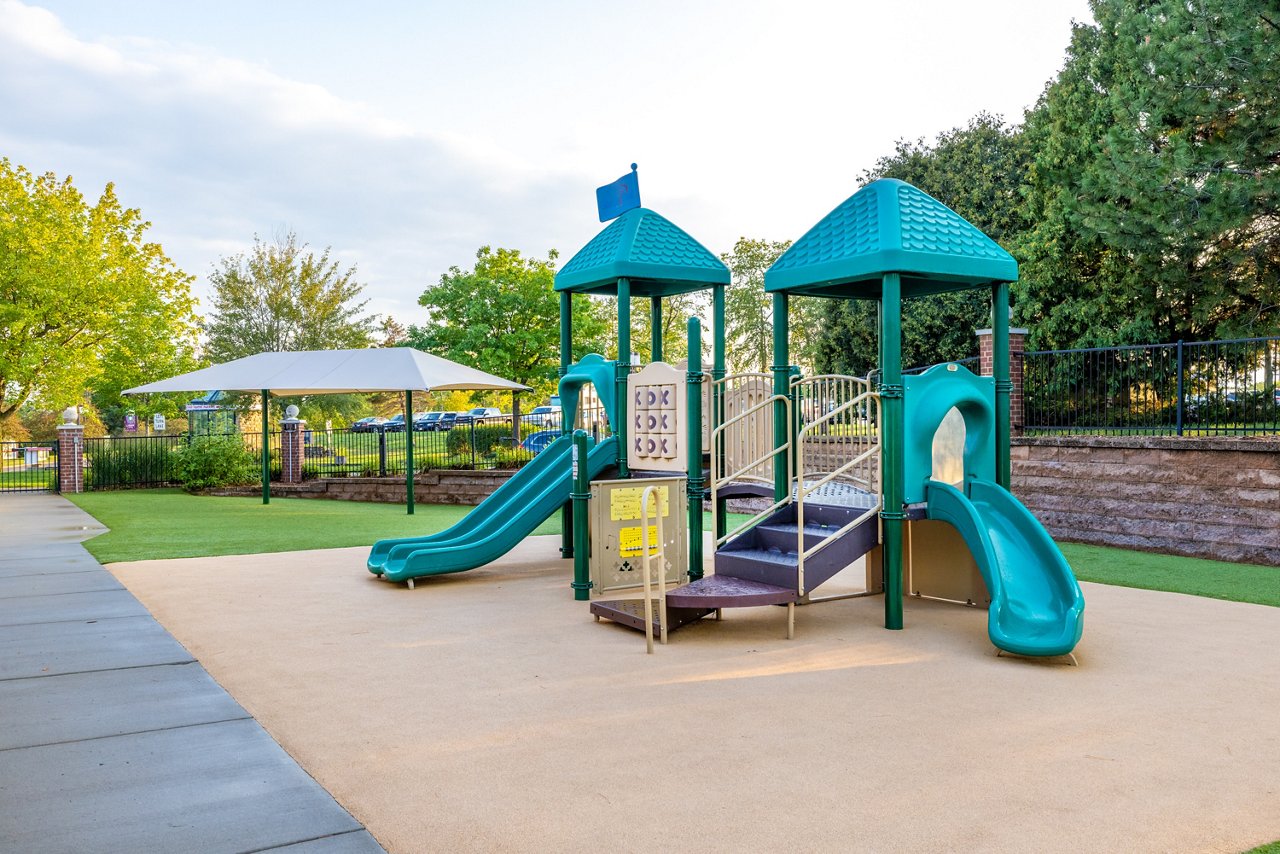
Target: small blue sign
{"x":617,"y":198}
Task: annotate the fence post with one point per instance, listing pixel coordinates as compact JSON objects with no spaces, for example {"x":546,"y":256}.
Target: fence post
{"x":382,"y":453}
{"x":70,"y":454}
{"x":472,"y":425}
{"x":1181,"y":397}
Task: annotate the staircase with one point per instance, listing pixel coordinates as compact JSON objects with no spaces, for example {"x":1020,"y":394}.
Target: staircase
{"x":762,"y":565}
{"x":830,"y":516}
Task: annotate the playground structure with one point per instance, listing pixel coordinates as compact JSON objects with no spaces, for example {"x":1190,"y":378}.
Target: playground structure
{"x":911,"y":473}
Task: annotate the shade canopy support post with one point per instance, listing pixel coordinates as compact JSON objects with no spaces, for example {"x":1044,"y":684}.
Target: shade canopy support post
{"x":408,"y":451}
{"x":266,"y":451}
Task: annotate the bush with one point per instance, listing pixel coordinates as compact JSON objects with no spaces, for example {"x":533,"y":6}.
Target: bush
{"x":486,"y":438}
{"x":212,"y":461}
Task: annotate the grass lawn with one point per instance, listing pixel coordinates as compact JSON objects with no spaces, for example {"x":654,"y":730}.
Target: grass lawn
{"x":150,"y":524}
{"x":153,"y":524}
{"x":1238,"y":582}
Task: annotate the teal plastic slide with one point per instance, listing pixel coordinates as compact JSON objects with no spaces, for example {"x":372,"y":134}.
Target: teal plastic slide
{"x":1036,"y":604}
{"x":499,"y":522}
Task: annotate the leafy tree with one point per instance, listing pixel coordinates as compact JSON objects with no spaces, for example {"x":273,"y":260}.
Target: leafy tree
{"x":280,"y":297}
{"x":676,"y":311}
{"x":749,"y":311}
{"x":1157,"y":177}
{"x":503,"y":317}
{"x":85,"y":300}
{"x":977,"y":171}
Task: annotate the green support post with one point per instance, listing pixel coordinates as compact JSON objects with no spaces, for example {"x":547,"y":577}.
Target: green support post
{"x":782,"y":386}
{"x":623,"y":371}
{"x":566,"y":420}
{"x":891,"y":442}
{"x":655,"y":329}
{"x":581,"y":526}
{"x":716,"y":416}
{"x":694,"y":482}
{"x":408,"y":451}
{"x":266,"y":452}
{"x":1000,"y":369}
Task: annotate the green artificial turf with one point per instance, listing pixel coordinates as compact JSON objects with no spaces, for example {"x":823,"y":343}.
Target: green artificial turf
{"x":154,"y":524}
{"x":1238,"y":582}
{"x":1269,"y":848}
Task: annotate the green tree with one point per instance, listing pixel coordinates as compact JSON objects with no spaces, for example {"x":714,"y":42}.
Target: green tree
{"x":503,"y":316}
{"x":978,"y":172}
{"x":1156,"y":185}
{"x":280,"y":297}
{"x":749,"y":311}
{"x":85,"y":300}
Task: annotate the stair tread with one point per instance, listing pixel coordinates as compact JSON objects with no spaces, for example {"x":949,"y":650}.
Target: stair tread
{"x":810,"y":528}
{"x":782,"y":558}
{"x":721,"y":591}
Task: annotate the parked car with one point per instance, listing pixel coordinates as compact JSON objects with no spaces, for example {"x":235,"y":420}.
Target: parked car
{"x":538,"y":442}
{"x":372,"y":424}
{"x":446,"y":420}
{"x":395,"y":424}
{"x":542,"y":416}
{"x":427,"y":420}
{"x":479,"y":415}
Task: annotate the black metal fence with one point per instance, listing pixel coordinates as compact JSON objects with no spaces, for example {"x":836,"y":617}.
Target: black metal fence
{"x":28,"y":466}
{"x":142,"y":461}
{"x":1208,"y":388}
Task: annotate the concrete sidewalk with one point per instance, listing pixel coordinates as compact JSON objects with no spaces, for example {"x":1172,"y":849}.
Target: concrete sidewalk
{"x":114,"y":737}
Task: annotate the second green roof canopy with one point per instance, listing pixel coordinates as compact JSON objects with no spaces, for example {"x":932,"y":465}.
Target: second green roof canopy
{"x":890,"y":226}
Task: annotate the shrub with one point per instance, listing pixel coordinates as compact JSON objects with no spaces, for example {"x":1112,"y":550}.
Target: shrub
{"x":131,"y":462}
{"x":487,"y":436}
{"x":212,"y":461}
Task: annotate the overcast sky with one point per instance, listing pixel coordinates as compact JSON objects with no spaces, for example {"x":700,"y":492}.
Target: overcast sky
{"x":407,"y":134}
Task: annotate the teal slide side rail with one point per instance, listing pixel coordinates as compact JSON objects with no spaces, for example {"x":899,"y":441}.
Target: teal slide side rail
{"x":1036,"y":605}
{"x":549,"y":459}
{"x":500,"y":509}
{"x":491,"y":542}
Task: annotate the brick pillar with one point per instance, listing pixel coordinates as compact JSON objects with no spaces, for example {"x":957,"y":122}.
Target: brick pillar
{"x":1017,"y":346}
{"x":70,"y":455}
{"x":292,"y":449}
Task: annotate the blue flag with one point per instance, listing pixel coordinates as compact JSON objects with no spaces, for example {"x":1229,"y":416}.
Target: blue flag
{"x":619,"y":197}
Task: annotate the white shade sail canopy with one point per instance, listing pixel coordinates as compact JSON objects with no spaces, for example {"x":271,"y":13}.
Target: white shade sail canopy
{"x":334,"y":372}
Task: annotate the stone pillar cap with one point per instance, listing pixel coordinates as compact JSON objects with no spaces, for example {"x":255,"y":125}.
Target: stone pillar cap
{"x":1012,"y":331}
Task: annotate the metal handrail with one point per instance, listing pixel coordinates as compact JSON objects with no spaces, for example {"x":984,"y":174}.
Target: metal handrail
{"x":717,"y":479}
{"x":804,"y":489}
{"x":647,"y":570}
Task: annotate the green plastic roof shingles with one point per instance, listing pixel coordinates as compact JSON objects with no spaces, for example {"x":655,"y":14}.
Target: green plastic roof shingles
{"x":655,"y":254}
{"x":891,"y":227}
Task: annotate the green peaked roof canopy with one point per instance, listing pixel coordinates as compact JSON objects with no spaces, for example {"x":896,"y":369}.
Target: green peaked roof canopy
{"x":656,"y":255}
{"x":890,"y":227}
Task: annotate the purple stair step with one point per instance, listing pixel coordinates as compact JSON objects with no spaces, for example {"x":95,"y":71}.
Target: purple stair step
{"x":719,"y":591}
{"x":630,"y":613}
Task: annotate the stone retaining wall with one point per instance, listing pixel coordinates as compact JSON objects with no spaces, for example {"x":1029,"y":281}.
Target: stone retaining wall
{"x":1214,"y":498}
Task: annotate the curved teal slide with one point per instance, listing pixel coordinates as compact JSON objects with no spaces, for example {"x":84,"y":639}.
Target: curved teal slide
{"x":499,"y":522}
{"x":1036,"y":604}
